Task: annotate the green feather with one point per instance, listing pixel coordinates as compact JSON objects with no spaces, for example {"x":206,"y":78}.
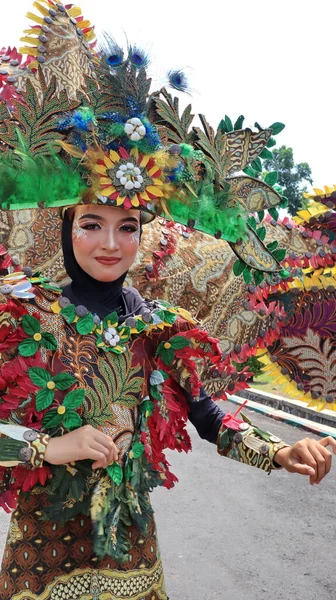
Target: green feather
{"x":37,"y":181}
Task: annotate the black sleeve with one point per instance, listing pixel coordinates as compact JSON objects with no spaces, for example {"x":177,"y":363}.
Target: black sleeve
{"x":205,"y":415}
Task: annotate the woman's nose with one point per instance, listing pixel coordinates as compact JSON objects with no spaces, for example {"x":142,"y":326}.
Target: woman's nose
{"x":110,"y":241}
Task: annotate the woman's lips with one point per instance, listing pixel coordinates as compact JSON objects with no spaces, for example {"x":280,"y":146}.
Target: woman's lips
{"x":105,"y":260}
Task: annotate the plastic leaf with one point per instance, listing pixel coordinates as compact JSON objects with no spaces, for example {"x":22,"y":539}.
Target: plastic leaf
{"x":140,"y":325}
{"x":147,"y":408}
{"x":69,"y":313}
{"x":256,"y":165}
{"x":239,"y":123}
{"x":115,"y":472}
{"x":228,"y":124}
{"x":110,"y":320}
{"x":156,"y":378}
{"x":51,"y":419}
{"x":258,"y":277}
{"x":30,"y":325}
{"x":274,"y":213}
{"x":271,"y":142}
{"x":277,"y":127}
{"x":179,"y":342}
{"x":48,"y":341}
{"x":247,"y":275}
{"x":238,"y":267}
{"x":44,"y":399}
{"x":39,"y":376}
{"x":85,"y":324}
{"x":28,"y":347}
{"x":266,"y":154}
{"x":272,"y":246}
{"x":261,"y":214}
{"x":280,"y":254}
{"x":74,"y":398}
{"x":71,"y":420}
{"x":64,"y":380}
{"x":261,"y":233}
{"x":137,"y":449}
{"x":252,"y":223}
{"x":250,"y":171}
{"x":169,"y":317}
{"x":271,"y":178}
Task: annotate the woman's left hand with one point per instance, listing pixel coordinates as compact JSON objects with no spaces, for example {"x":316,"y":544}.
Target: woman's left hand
{"x":308,"y":457}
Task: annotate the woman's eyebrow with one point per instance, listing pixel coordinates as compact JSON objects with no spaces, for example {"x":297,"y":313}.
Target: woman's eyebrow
{"x":91,"y":216}
{"x":134,"y":219}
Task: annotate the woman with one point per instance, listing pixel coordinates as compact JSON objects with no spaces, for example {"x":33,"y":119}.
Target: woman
{"x":50,"y":551}
{"x":97,"y":382}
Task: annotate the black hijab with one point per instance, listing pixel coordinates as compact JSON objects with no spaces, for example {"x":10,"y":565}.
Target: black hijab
{"x":98,"y":297}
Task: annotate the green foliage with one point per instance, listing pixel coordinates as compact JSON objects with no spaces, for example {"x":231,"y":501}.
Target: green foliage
{"x":291,"y":176}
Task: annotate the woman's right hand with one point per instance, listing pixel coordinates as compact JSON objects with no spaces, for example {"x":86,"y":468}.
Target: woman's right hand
{"x":85,"y":442}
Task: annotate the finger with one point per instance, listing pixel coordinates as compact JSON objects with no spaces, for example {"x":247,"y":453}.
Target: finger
{"x":328,"y":441}
{"x":100,"y":448}
{"x":303,"y":462}
{"x":327,"y":458}
{"x":320,"y":462}
{"x":98,"y":457}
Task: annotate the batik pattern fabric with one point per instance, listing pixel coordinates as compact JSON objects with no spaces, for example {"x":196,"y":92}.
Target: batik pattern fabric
{"x":78,"y":533}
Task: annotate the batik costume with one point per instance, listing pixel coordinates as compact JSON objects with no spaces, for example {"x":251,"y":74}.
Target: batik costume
{"x":78,"y":125}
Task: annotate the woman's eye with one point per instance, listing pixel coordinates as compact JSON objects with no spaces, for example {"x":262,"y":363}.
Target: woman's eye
{"x":90,"y":226}
{"x":129,"y":228}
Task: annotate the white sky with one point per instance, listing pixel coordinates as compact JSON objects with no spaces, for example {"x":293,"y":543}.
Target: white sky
{"x":269,"y":60}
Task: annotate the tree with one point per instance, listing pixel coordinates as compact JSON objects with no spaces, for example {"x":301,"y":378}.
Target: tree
{"x":291,"y":176}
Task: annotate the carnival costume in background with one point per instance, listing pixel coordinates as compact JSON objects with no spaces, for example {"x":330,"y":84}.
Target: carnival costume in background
{"x":79,"y":125}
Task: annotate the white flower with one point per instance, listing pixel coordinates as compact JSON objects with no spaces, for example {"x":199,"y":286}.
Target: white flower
{"x":135,"y":129}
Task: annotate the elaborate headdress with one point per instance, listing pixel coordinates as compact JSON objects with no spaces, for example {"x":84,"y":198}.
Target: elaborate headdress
{"x":80,"y":125}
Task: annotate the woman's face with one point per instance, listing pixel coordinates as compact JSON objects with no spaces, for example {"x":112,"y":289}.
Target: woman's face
{"x":105,"y":240}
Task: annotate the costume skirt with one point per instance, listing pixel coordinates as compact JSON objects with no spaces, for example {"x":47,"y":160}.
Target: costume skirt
{"x":44,"y":560}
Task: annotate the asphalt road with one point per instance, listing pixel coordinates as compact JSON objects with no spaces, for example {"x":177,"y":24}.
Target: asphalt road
{"x":229,"y":531}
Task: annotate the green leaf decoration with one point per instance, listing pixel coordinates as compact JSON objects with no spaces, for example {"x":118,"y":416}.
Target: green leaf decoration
{"x":115,"y":472}
{"x":167,"y":354}
{"x":51,"y":419}
{"x":74,"y":398}
{"x":247,"y":275}
{"x":111,"y":320}
{"x":85,"y":324}
{"x":39,"y":376}
{"x":266,"y":154}
{"x":179,"y":342}
{"x":44,"y":399}
{"x":228,"y":124}
{"x":261,"y":233}
{"x":252,"y":222}
{"x":280,"y":254}
{"x":258,"y":277}
{"x":256,"y":165}
{"x":128,"y":471}
{"x":64,"y":380}
{"x":238,"y":267}
{"x":271,"y":178}
{"x":261,"y":215}
{"x":277,"y":127}
{"x":256,"y":124}
{"x":28,"y":347}
{"x":250,"y":171}
{"x":69,"y":313}
{"x":239,"y":123}
{"x":271,"y":142}
{"x":48,"y":341}
{"x":30,"y":325}
{"x":137,"y":449}
{"x":124,"y":334}
{"x":155,"y":392}
{"x":140,"y":326}
{"x":147,"y":408}
{"x":272,"y":246}
{"x":274,"y":213}
{"x":169,"y":317}
{"x":71,"y":420}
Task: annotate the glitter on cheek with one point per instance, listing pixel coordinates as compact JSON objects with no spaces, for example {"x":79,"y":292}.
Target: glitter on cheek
{"x":135,"y":237}
{"x":77,"y":231}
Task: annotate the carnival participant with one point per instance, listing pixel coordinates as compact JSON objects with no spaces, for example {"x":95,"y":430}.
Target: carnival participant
{"x":96,"y":382}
